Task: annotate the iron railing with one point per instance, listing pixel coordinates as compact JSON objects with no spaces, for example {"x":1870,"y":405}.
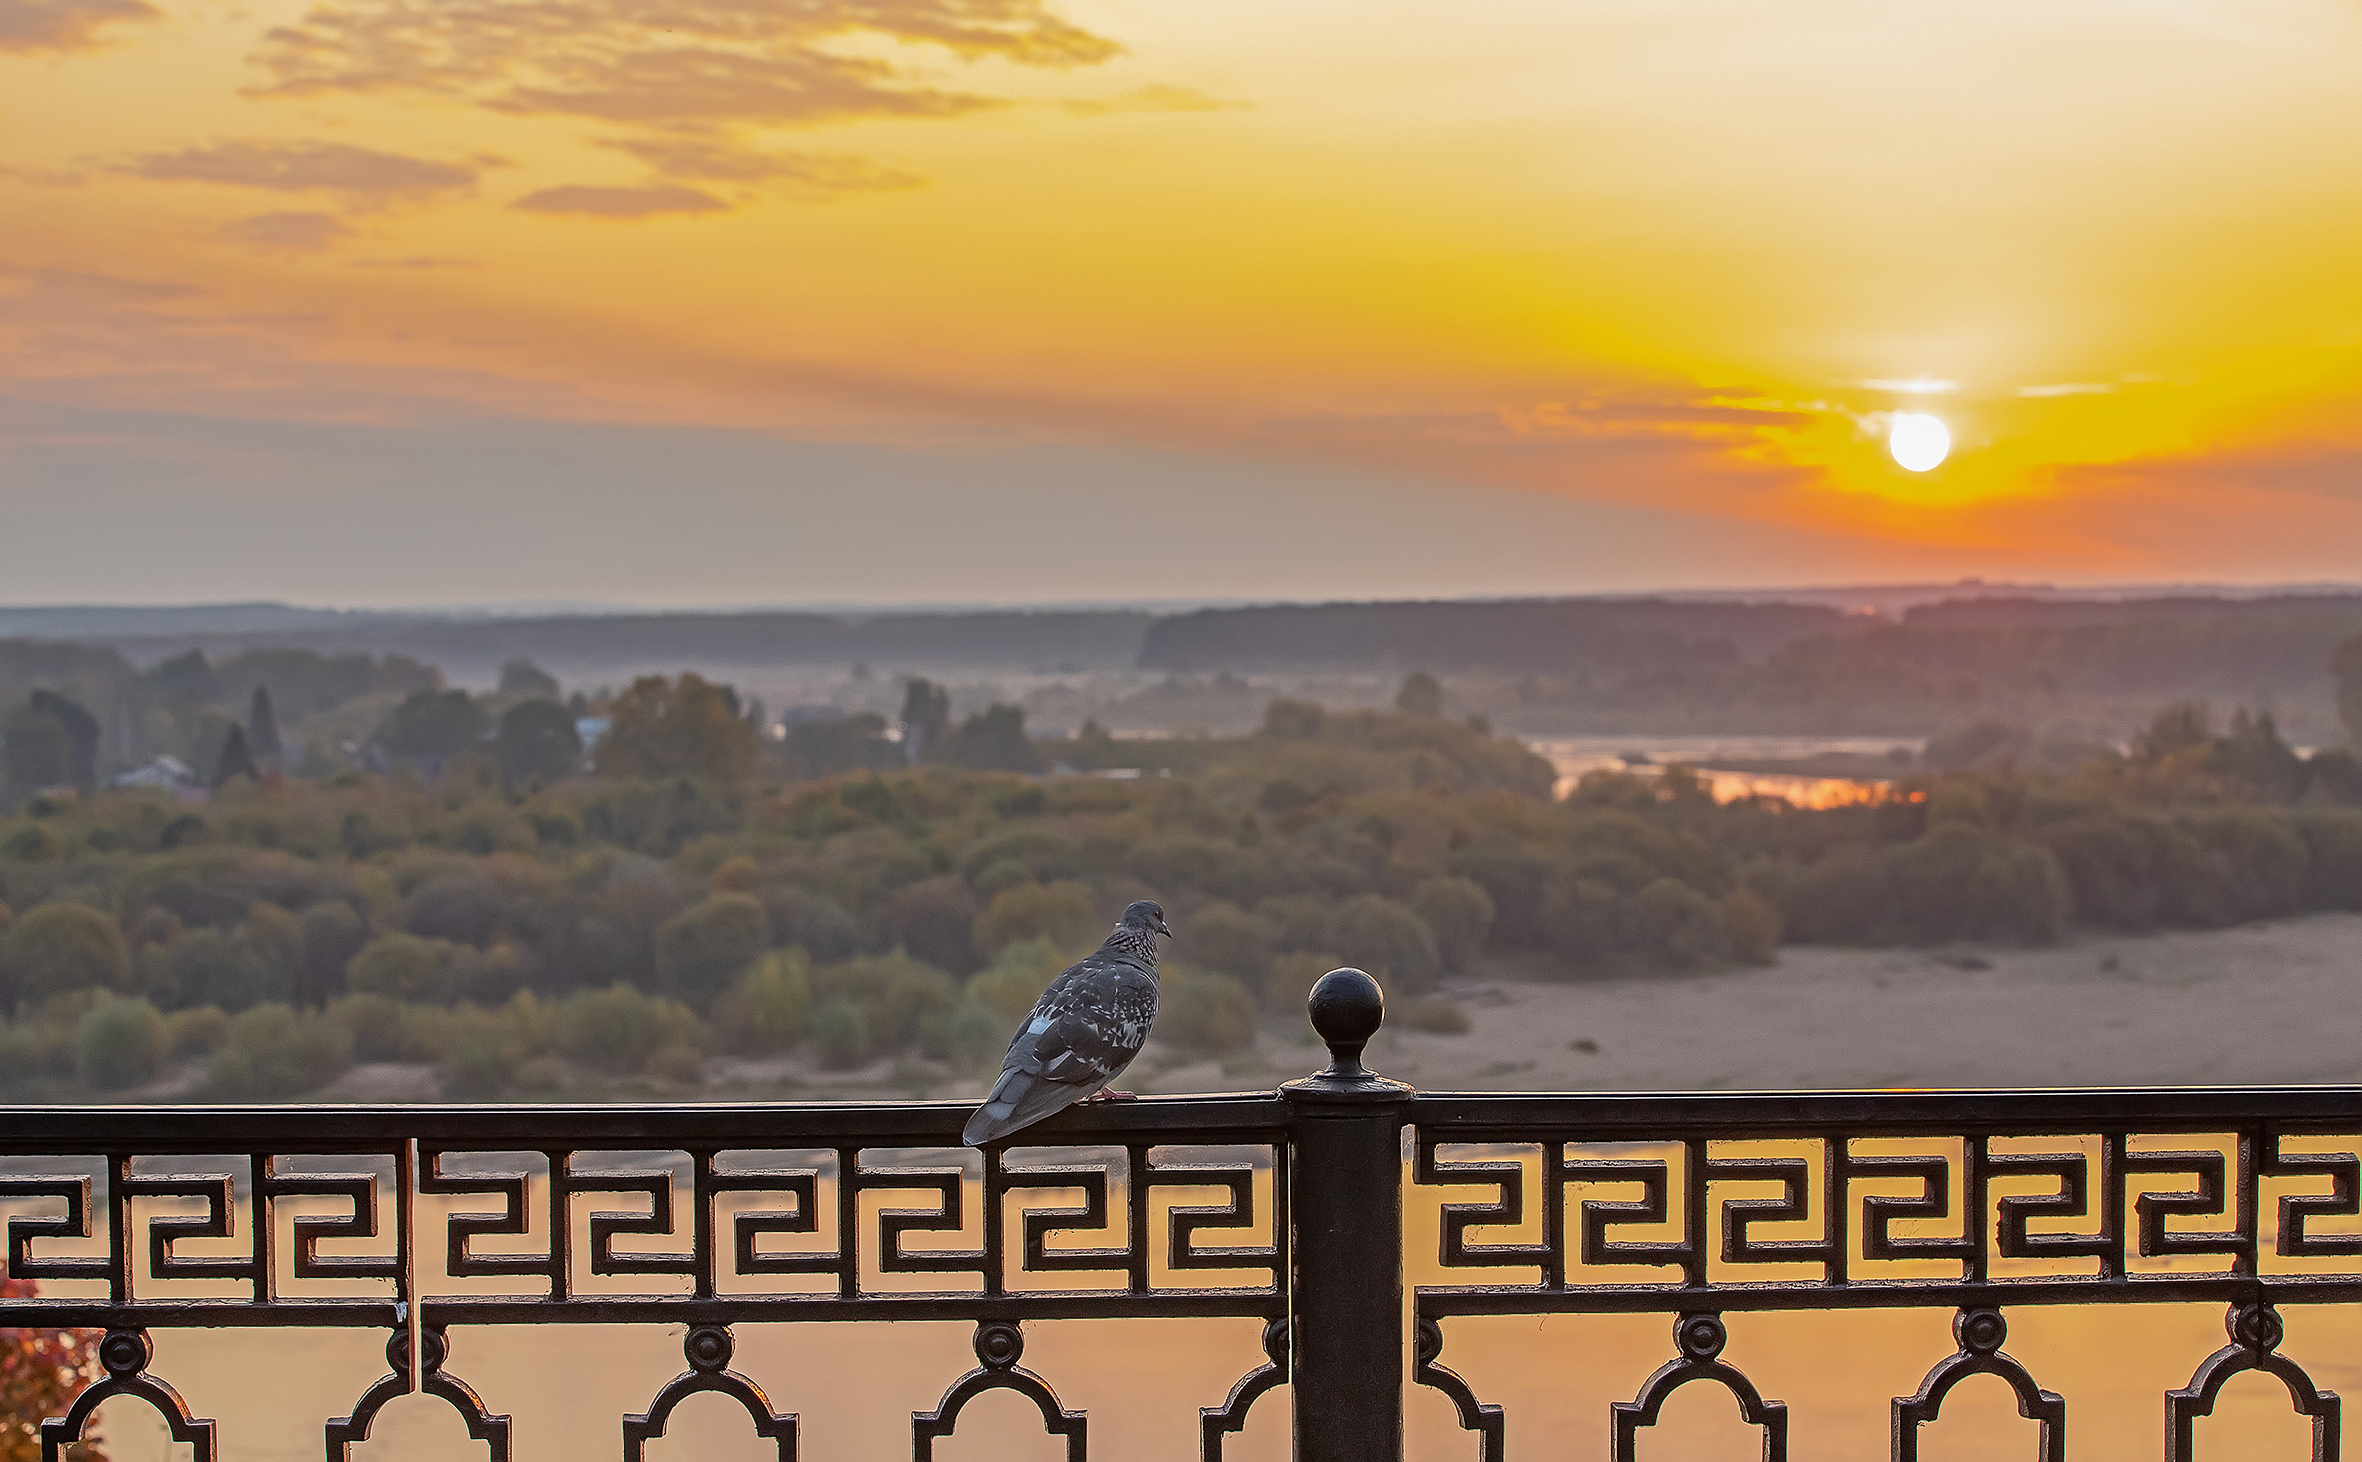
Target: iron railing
{"x":1287,"y":1208}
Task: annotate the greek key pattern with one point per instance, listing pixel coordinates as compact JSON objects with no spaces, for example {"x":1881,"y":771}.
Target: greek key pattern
{"x":1739,"y":1205}
{"x":1844,"y":1221}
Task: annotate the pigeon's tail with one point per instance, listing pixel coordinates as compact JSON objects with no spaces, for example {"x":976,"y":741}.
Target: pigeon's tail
{"x":1020,"y":1099}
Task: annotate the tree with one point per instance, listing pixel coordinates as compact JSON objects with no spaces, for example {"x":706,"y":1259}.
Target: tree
{"x":121,"y":1043}
{"x":236,"y":761}
{"x":58,"y":947}
{"x":664,"y":728}
{"x":434,"y":723}
{"x":185,"y":681}
{"x":993,"y":740}
{"x":1460,"y":913}
{"x":926,"y":718}
{"x":537,"y":739}
{"x":1421,"y":695}
{"x":81,"y":730}
{"x":262,"y":727}
{"x":2346,"y":665}
{"x":41,"y":1372}
{"x":39,"y":753}
{"x":703,"y":948}
{"x":854,"y":744}
{"x":1059,"y":912}
{"x":524,"y":678}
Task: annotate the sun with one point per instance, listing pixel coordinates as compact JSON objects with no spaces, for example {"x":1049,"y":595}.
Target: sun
{"x":1918,"y":441}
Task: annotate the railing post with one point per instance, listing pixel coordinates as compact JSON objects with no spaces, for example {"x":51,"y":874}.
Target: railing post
{"x":1345,"y":1265}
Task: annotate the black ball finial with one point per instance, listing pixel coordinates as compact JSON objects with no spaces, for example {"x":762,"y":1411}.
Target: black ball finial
{"x":1347,"y":1007}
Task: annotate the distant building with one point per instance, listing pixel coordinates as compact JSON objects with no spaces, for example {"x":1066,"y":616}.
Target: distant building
{"x":165,"y":773}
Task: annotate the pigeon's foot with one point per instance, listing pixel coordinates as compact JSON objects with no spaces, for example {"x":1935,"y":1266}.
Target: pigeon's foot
{"x":1106,"y":1095}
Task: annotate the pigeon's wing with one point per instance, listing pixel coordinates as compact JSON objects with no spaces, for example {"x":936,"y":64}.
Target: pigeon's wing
{"x":1072,"y":1045}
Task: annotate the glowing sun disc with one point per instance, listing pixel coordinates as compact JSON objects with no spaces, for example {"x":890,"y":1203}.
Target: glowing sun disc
{"x":1918,"y":441}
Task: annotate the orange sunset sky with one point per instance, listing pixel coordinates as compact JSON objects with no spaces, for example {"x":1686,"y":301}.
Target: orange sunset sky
{"x":773,"y":301}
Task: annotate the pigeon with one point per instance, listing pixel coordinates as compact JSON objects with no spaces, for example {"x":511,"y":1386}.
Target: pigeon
{"x":1084,"y":1030}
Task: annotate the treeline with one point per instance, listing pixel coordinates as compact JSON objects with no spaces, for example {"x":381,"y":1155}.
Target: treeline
{"x":74,"y":715}
{"x":1676,"y":666}
{"x":624,"y":929}
{"x":1536,"y":636}
{"x":627,"y":925}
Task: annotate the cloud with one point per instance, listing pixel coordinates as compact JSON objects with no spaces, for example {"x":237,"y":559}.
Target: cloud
{"x":299,"y":167}
{"x":595,"y":202}
{"x":66,"y":25}
{"x":2068,"y":388}
{"x":416,"y":261}
{"x":720,"y":160}
{"x":682,"y":63}
{"x":1913,"y":386}
{"x":1153,"y":99}
{"x":296,"y":233}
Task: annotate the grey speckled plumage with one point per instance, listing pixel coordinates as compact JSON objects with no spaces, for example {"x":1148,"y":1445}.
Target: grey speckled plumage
{"x":1082,"y":1033}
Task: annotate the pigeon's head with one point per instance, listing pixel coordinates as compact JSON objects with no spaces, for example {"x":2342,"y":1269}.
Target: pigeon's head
{"x":1144,"y":918}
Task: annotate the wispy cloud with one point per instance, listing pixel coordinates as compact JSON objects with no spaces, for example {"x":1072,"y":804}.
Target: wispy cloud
{"x":301,"y":167}
{"x":685,"y":62}
{"x":2068,"y":388}
{"x":66,"y":25}
{"x":681,"y":76}
{"x":716,"y":159}
{"x":584,"y":201}
{"x":416,"y":261}
{"x":1913,"y":386}
{"x":292,"y":233}
{"x":1153,"y":99}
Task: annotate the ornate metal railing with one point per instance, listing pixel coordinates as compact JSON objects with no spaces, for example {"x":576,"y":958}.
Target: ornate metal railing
{"x":1287,"y":1209}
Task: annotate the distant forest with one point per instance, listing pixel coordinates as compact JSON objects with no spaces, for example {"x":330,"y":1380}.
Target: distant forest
{"x":2085,"y":670}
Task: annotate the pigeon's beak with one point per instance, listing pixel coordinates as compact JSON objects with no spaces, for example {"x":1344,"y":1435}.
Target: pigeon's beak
{"x":1163,"y":928}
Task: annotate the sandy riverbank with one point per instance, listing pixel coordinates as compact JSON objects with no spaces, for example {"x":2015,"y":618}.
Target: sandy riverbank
{"x":2277,"y":1002}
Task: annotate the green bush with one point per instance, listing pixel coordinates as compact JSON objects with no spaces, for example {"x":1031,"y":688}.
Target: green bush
{"x":1750,"y":926}
{"x":617,"y":1029}
{"x":410,"y":968}
{"x":1292,"y":977}
{"x":198,"y":1031}
{"x":2260,"y":861}
{"x":1961,"y":881}
{"x":1460,"y":914}
{"x":769,"y":1007}
{"x":276,"y":1050}
{"x":1847,"y":897}
{"x":36,"y":1048}
{"x":56,"y":947}
{"x":1204,"y":1011}
{"x":2111,"y":867}
{"x":701,"y":949}
{"x":374,"y":1023}
{"x":1059,"y":912}
{"x":814,"y":922}
{"x":1017,"y":978}
{"x":2333,"y":841}
{"x":934,"y":919}
{"x":967,"y":1037}
{"x":212,"y":968}
{"x":840,"y":1034}
{"x":1222,"y":936}
{"x":1388,"y":940}
{"x":121,"y":1043}
{"x":893,"y":991}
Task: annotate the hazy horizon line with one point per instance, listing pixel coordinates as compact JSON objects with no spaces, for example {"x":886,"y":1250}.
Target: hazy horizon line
{"x":600,"y":609}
